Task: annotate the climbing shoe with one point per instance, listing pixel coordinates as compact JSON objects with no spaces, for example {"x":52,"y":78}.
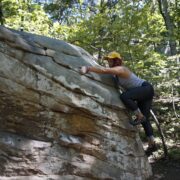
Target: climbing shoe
{"x":149,"y":151}
{"x":137,"y":121}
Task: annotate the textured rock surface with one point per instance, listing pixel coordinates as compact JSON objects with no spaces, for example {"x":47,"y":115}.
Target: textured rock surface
{"x":58,"y":124}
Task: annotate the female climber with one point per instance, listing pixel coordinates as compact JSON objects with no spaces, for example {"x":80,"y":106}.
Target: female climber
{"x":137,"y":95}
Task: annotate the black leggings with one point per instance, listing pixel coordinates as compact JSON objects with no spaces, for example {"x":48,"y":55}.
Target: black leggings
{"x":140,"y":97}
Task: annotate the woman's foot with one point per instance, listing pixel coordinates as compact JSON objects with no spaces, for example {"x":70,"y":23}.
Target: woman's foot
{"x":151,"y":148}
{"x":137,"y":121}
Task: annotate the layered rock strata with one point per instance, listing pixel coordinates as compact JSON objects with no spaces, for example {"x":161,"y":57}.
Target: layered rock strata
{"x":58,"y":124}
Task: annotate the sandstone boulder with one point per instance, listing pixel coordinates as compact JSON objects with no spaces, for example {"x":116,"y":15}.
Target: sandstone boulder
{"x":58,"y":124}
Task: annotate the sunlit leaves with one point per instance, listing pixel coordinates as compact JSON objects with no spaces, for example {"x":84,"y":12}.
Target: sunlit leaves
{"x":25,"y":15}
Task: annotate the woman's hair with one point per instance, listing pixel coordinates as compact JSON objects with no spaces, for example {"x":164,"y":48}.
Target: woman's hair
{"x":117,"y":61}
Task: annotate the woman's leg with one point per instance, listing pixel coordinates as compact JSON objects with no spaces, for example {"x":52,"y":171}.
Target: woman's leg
{"x":145,"y":107}
{"x":136,"y":94}
{"x":141,"y":93}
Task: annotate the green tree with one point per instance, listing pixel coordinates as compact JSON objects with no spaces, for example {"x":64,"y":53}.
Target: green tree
{"x":1,"y":13}
{"x":170,"y":25}
{"x":25,"y":15}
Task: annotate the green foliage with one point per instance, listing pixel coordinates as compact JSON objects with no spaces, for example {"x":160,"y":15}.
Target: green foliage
{"x":174,"y":153}
{"x":24,"y":15}
{"x":60,"y":31}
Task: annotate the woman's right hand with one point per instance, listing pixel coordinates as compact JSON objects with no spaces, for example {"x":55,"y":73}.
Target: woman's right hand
{"x":84,"y":69}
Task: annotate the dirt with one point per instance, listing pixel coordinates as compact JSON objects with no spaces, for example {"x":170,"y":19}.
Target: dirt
{"x":165,"y":169}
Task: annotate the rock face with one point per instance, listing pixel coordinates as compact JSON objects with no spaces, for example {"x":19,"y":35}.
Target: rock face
{"x":58,"y":124}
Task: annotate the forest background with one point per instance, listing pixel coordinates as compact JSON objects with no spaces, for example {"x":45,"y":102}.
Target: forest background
{"x":145,"y":32}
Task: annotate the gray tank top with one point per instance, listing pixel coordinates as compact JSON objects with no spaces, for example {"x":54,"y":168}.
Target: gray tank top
{"x":131,"y":82}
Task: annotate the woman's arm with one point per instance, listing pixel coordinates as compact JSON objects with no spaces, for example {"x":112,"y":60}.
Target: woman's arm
{"x":120,"y":70}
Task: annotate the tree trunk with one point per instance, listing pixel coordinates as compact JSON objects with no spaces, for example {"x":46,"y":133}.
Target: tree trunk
{"x":163,"y":7}
{"x":1,"y":14}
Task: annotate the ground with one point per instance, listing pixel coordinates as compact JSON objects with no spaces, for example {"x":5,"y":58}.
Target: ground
{"x":165,"y":168}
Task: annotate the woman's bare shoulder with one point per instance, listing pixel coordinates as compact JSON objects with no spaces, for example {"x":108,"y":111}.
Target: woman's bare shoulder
{"x":122,"y":71}
{"x":121,"y":68}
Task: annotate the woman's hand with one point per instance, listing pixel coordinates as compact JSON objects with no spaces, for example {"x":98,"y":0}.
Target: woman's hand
{"x":84,"y":69}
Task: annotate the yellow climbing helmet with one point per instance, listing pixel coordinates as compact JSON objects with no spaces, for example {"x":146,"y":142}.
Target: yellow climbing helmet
{"x":113,"y":55}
